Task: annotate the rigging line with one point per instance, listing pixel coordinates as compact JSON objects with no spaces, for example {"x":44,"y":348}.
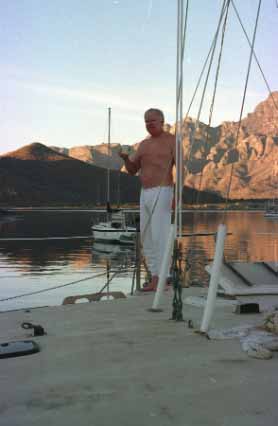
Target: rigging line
{"x":181,"y":38}
{"x":77,"y":237}
{"x":214,"y":90}
{"x":180,"y":157}
{"x":52,"y":288}
{"x":111,"y":278}
{"x":211,"y":55}
{"x":254,"y":53}
{"x":204,"y":67}
{"x":183,"y":42}
{"x":244,"y":96}
{"x":225,"y":5}
{"x":200,"y":78}
{"x":120,"y":270}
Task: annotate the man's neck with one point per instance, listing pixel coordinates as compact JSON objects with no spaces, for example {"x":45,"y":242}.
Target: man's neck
{"x":157,"y":136}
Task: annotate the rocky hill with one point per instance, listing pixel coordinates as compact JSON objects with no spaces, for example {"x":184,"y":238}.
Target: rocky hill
{"x":37,"y":175}
{"x":97,"y":154}
{"x":247,"y":163}
{"x":242,"y":167}
{"x":221,"y":161}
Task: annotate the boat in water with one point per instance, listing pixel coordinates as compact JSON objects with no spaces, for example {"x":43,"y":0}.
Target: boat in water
{"x":272,"y":210}
{"x":114,"y":229}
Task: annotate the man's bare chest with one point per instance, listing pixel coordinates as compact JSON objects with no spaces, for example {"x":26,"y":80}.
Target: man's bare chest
{"x":157,"y":154}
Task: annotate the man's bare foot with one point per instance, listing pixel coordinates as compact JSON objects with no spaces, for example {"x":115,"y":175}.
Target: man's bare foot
{"x":152,"y":285}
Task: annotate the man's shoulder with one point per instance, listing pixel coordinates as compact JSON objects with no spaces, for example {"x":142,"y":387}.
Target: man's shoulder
{"x":171,"y":139}
{"x":143,"y":142}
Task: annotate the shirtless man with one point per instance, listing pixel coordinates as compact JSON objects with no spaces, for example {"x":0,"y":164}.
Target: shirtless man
{"x":154,"y":159}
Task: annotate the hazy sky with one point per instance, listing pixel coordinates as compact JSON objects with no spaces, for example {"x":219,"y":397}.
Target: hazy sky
{"x":64,"y":62}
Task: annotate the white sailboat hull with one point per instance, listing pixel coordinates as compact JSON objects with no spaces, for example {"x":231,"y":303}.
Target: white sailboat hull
{"x":272,"y":215}
{"x":106,"y":233}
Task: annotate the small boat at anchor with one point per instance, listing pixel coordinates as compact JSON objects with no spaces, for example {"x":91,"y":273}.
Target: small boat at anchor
{"x":114,"y":230}
{"x":272,"y":210}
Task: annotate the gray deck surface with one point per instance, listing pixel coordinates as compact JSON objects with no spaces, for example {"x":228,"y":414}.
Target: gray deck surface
{"x":115,"y":363}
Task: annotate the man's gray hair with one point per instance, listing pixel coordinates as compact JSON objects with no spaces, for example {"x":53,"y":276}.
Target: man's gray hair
{"x":156,"y":111}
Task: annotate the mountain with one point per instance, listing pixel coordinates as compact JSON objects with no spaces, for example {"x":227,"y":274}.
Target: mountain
{"x":37,"y":175}
{"x":218,"y":159}
{"x":97,"y":154}
{"x":247,"y":164}
{"x":220,"y":165}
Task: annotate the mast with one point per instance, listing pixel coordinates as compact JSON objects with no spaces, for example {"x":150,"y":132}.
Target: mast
{"x":181,"y":27}
{"x":109,"y":159}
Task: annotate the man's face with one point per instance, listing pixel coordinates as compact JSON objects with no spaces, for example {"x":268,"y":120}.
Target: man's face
{"x":154,"y":123}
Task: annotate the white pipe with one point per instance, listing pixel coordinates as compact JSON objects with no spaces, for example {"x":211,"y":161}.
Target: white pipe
{"x":179,"y":35}
{"x":214,"y":278}
{"x":164,"y":268}
{"x":179,"y":233}
{"x":109,"y":155}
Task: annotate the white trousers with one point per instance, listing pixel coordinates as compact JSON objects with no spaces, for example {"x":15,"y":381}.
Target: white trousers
{"x":155,"y":221}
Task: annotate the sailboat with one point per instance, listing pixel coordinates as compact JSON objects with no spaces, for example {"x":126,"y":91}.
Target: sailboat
{"x":272,"y":209}
{"x":115,"y":228}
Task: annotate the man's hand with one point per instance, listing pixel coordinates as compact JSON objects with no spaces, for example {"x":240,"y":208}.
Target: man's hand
{"x":122,"y":154}
{"x":173,"y":203}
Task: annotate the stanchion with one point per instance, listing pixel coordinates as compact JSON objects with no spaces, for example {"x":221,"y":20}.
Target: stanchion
{"x":138,"y":261}
{"x":214,"y":278}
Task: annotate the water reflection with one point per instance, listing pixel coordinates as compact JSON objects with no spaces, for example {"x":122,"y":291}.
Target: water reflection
{"x":115,"y":253}
{"x":44,"y":256}
{"x":251,"y":237}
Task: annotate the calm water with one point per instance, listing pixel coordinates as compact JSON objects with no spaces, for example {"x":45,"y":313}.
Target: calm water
{"x":39,"y":250}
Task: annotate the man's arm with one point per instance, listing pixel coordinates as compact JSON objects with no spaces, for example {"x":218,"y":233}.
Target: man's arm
{"x":129,"y":165}
{"x":182,"y":170}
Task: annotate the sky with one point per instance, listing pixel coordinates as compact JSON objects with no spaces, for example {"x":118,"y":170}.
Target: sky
{"x":63,"y":63}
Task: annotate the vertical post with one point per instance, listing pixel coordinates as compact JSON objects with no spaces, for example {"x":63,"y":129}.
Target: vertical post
{"x":138,"y":261}
{"x":178,"y":100}
{"x":108,"y":276}
{"x":214,"y":278}
{"x":109,"y":158}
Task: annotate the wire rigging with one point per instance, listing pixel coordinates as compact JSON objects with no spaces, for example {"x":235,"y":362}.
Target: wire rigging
{"x":214,"y":89}
{"x":182,"y":19}
{"x":254,"y":53}
{"x":52,"y":288}
{"x":244,"y":96}
{"x":91,"y":277}
{"x":211,"y":56}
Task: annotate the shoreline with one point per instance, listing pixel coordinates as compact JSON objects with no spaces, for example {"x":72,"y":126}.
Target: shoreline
{"x":128,"y":209}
